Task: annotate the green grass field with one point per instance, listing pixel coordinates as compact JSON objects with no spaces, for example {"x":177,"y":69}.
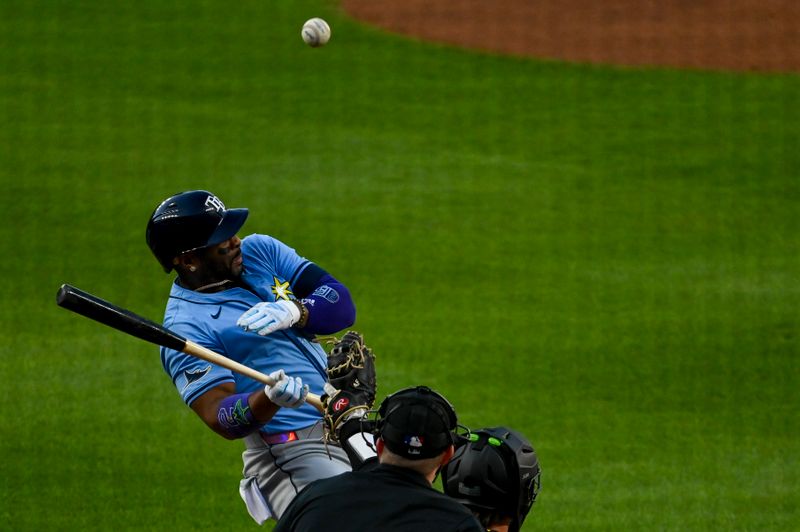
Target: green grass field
{"x":603,"y":258}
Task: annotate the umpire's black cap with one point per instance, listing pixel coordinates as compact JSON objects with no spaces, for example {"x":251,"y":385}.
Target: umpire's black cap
{"x":416,"y":423}
{"x":188,"y":221}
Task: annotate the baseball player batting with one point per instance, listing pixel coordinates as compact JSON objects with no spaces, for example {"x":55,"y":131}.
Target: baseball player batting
{"x":258,"y":302}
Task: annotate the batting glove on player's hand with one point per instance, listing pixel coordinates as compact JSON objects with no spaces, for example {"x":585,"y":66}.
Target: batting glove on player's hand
{"x":265,"y":318}
{"x":287,"y":392}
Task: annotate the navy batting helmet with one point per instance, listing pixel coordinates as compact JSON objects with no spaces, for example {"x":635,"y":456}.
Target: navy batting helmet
{"x":495,"y":474}
{"x":190,"y":220}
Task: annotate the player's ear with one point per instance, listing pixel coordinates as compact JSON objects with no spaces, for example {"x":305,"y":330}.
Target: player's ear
{"x":186,"y":261}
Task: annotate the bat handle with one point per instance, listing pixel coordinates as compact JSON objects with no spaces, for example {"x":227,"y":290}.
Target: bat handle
{"x":312,"y":398}
{"x":201,"y":352}
{"x":315,"y":401}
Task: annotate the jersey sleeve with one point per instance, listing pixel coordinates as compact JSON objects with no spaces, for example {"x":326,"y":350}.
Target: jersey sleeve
{"x":276,"y":256}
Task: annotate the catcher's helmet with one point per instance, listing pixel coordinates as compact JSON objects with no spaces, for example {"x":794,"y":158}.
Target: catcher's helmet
{"x":416,"y":423}
{"x":188,"y":221}
{"x":494,"y":473}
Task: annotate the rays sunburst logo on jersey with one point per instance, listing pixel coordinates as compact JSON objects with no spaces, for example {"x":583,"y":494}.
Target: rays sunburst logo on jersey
{"x":281,"y":289}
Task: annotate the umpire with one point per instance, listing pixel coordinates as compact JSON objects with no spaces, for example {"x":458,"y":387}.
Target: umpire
{"x":415,"y":436}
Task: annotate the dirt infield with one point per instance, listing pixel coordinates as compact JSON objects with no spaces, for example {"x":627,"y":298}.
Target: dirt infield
{"x":749,"y":35}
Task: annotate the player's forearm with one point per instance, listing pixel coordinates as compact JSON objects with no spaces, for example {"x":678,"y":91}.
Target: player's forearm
{"x":241,"y":414}
{"x":233,"y":415}
{"x":330,"y":308}
{"x":263,"y":409}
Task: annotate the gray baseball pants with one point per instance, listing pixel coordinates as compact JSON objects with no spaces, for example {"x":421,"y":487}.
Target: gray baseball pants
{"x":274,"y":474}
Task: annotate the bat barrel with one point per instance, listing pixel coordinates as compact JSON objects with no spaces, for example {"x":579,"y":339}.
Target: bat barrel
{"x":100,"y":310}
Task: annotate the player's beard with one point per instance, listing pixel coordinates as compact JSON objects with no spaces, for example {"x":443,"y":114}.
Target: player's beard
{"x":227,"y":264}
{"x":237,"y":266}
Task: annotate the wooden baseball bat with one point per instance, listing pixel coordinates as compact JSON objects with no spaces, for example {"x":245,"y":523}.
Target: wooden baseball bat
{"x":93,"y":307}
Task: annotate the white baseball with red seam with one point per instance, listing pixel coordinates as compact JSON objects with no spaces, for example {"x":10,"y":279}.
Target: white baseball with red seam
{"x":316,"y":32}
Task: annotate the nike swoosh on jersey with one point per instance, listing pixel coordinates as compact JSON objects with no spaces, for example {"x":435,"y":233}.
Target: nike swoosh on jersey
{"x":216,"y":315}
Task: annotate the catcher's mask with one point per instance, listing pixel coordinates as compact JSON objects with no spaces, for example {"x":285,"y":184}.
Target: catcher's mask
{"x":188,"y":221}
{"x":416,"y":423}
{"x":495,"y":473}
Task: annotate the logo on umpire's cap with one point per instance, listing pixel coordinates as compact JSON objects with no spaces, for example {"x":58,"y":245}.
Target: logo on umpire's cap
{"x":415,"y":444}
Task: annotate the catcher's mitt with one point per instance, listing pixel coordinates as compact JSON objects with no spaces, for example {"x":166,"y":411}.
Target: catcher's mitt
{"x":351,"y":386}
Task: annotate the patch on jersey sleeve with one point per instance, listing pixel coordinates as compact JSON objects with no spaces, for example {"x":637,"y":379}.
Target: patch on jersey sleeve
{"x":327,"y":292}
{"x":187,"y":377}
{"x":281,"y":289}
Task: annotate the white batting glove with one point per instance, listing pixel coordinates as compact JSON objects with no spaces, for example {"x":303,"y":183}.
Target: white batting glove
{"x":288,"y":392}
{"x":265,"y":318}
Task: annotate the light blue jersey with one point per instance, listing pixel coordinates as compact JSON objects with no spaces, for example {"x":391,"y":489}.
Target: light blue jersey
{"x":270,"y":268}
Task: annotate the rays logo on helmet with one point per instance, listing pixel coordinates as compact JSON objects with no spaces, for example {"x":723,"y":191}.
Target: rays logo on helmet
{"x":214,"y":203}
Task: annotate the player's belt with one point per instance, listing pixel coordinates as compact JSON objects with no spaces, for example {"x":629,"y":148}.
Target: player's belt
{"x":259,"y":439}
{"x":281,"y":437}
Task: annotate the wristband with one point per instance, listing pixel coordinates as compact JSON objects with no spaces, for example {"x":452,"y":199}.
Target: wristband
{"x":303,"y":314}
{"x":236,"y":417}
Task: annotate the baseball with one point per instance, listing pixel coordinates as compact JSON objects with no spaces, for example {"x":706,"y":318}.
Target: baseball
{"x":316,"y":32}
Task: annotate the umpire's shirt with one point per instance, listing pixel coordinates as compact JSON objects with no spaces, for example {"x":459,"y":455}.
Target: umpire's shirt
{"x":385,"y":498}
